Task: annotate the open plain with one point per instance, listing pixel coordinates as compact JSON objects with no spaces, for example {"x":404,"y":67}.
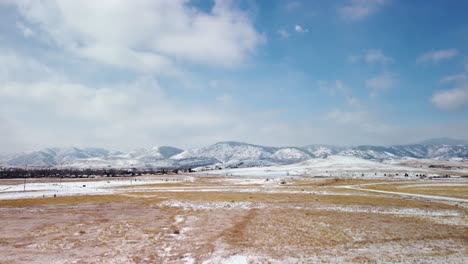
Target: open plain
{"x":215,"y":219}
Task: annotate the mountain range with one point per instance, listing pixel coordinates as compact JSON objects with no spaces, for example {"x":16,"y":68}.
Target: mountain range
{"x":230,"y":154}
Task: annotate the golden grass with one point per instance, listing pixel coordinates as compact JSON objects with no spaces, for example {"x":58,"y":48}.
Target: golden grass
{"x":321,"y":182}
{"x":460,"y":191}
{"x":297,"y":198}
{"x":289,"y":225}
{"x":74,"y":200}
{"x":289,"y":231}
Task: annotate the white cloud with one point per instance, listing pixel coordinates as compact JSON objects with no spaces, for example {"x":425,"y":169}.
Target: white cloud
{"x":50,"y":110}
{"x":59,"y":112}
{"x":376,"y":130}
{"x":128,"y":115}
{"x":145,"y":35}
{"x":338,"y":88}
{"x":362,"y":121}
{"x":372,"y":56}
{"x":14,"y":66}
{"x":14,"y":136}
{"x":356,"y":10}
{"x":293,"y":6}
{"x":456,"y":78}
{"x":300,"y":29}
{"x":436,"y":56}
{"x":27,"y":32}
{"x":380,"y":83}
{"x":333,"y":88}
{"x":353,"y":102}
{"x":283,"y":33}
{"x":452,"y":99}
{"x":377,"y":56}
{"x":55,"y":111}
{"x":69,"y":99}
{"x":297,"y":29}
{"x":41,"y":108}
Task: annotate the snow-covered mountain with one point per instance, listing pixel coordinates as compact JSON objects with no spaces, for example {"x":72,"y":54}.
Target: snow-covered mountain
{"x":323,"y":150}
{"x":243,"y":154}
{"x":92,"y":157}
{"x":231,"y":154}
{"x":55,"y":156}
{"x":417,"y":151}
{"x":332,"y":166}
{"x":440,"y":148}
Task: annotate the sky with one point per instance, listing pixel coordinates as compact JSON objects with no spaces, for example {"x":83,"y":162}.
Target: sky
{"x":128,"y":74}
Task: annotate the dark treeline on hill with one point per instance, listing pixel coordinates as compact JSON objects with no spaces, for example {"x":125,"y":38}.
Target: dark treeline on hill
{"x":12,"y":173}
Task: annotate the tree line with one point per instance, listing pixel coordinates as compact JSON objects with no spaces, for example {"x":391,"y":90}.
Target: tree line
{"x":12,"y":173}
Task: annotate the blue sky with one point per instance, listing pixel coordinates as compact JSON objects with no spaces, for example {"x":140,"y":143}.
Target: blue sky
{"x":127,"y":74}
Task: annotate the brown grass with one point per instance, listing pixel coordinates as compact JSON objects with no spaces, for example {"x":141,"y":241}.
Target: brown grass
{"x":135,"y":227}
{"x":299,"y":198}
{"x":447,"y":191}
{"x":75,"y":200}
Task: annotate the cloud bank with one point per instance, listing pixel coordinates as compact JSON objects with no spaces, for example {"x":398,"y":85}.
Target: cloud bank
{"x":143,"y":35}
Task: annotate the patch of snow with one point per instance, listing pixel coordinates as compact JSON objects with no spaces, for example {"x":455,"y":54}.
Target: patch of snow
{"x":236,"y":259}
{"x":210,"y":205}
{"x":392,"y":211}
{"x":188,"y":259}
{"x":68,"y":188}
{"x":334,"y":166}
{"x":179,"y":219}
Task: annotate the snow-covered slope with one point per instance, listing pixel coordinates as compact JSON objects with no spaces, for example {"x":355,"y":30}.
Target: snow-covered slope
{"x":226,"y":151}
{"x":329,"y":166}
{"x":322,"y":150}
{"x":149,"y":155}
{"x":231,"y":155}
{"x":56,"y":156}
{"x":419,"y":151}
{"x":291,"y":155}
{"x":94,"y":157}
{"x":242,"y":154}
{"x":153,"y":157}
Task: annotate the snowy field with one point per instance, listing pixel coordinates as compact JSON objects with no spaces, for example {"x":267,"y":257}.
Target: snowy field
{"x":342,"y":166}
{"x":279,"y":214}
{"x":31,"y":188}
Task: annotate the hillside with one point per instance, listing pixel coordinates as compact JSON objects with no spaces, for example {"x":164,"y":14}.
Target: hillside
{"x":232,"y":154}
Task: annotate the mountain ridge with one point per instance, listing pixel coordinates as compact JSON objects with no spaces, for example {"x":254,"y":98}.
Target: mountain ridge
{"x":232,"y":154}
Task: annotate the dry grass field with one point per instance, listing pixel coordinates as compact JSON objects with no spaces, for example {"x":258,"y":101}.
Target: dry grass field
{"x":178,"y":219}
